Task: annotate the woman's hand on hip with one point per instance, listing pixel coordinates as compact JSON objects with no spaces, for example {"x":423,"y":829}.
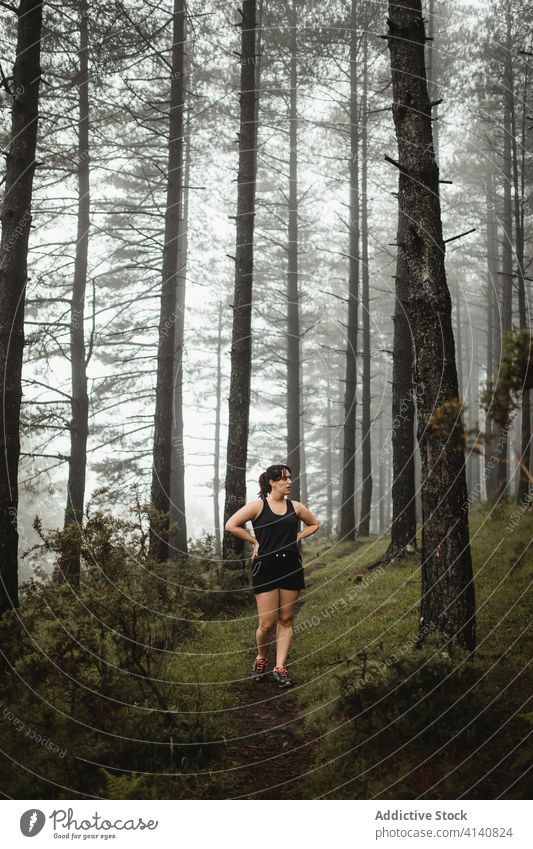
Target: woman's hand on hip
{"x":256,"y":549}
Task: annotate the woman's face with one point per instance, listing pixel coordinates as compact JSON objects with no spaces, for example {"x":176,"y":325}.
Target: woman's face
{"x":283,"y":486}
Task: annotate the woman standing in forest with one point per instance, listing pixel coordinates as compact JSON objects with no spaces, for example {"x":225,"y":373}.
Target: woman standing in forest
{"x":277,"y":570}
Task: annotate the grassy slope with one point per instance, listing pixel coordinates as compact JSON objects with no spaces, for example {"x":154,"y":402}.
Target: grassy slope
{"x":349,"y":627}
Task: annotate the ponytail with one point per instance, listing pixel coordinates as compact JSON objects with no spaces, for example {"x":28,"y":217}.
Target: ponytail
{"x":273,"y":473}
{"x":264,"y":486}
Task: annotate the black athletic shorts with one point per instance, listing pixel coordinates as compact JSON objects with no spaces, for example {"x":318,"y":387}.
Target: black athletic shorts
{"x":281,"y":569}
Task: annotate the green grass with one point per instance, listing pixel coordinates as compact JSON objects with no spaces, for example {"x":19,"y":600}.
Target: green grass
{"x":358,"y":627}
{"x":150,"y":705}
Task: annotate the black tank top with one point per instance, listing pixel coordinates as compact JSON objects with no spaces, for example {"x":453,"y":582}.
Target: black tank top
{"x":276,"y":533}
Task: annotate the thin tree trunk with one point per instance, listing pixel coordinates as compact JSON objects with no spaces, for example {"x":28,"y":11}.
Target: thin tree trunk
{"x":366,"y":448}
{"x":381,"y":482}
{"x":178,"y":518}
{"x":79,"y":425}
{"x":531,"y":457}
{"x":216,"y":462}
{"x":165,"y":353}
{"x":448,"y":599}
{"x":432,"y":72}
{"x":329,"y":462}
{"x":241,"y":347}
{"x":293,"y":301}
{"x":347,"y":508}
{"x":418,"y":480}
{"x":388,"y":484}
{"x":459,"y":340}
{"x":16,"y":221}
{"x":475,"y":460}
{"x":493,"y":325}
{"x":519,"y":187}
{"x":304,"y":494}
{"x":502,"y":452}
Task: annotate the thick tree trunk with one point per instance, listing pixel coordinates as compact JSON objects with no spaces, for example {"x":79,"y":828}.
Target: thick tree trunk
{"x":241,"y":345}
{"x":178,"y":519}
{"x":79,"y":425}
{"x":347,"y":508}
{"x":16,"y":221}
{"x":366,"y":448}
{"x":293,"y":300}
{"x":165,"y":352}
{"x":403,"y":527}
{"x":448,"y":599}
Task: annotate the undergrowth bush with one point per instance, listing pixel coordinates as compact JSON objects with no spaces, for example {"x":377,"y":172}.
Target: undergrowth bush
{"x":87,"y":688}
{"x":419,"y":726}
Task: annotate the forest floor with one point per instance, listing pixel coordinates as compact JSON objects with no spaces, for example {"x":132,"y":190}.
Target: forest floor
{"x":269,"y":743}
{"x":370,"y":716}
{"x":295,"y":743}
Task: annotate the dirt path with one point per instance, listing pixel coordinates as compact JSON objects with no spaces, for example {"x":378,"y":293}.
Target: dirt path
{"x":272,"y":748}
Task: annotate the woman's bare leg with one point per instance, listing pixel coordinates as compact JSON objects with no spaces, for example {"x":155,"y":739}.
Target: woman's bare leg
{"x":287,"y":601}
{"x":267,"y":608}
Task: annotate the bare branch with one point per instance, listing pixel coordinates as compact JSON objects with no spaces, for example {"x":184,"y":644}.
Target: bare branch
{"x":453,"y":238}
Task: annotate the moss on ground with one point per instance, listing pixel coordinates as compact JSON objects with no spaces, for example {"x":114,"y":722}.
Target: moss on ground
{"x":160,"y":705}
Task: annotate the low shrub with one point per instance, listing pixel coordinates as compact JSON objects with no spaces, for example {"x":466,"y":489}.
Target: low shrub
{"x":418,"y":726}
{"x":87,"y":671}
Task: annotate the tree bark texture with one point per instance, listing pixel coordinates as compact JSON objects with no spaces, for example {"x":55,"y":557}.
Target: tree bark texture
{"x":79,"y":424}
{"x":294,"y":425}
{"x":366,"y":447}
{"x":493,"y":324}
{"x":506,"y":273}
{"x":518,"y":155}
{"x":241,"y":344}
{"x":162,"y":454}
{"x":16,"y":222}
{"x":448,"y":599}
{"x":347,"y":510}
{"x":177,"y":514}
{"x":216,"y":458}
{"x":403,"y":527}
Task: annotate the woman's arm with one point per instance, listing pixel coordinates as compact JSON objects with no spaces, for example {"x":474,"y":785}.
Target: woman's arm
{"x":240,"y":517}
{"x":307,"y":517}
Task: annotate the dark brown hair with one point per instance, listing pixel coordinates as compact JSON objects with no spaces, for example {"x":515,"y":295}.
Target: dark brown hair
{"x":273,"y":473}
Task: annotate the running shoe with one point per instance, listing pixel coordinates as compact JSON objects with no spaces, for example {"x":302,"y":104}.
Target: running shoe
{"x":259,"y":667}
{"x":282,"y":676}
